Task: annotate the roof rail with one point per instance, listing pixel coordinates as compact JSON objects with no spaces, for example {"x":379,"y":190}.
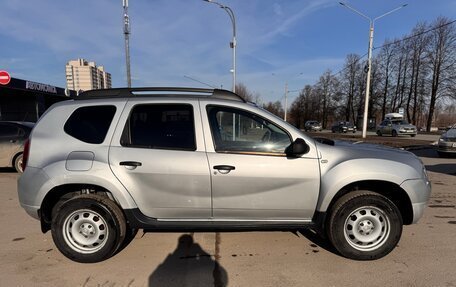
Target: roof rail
{"x":159,"y":92}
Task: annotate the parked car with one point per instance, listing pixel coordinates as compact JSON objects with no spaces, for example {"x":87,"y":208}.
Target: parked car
{"x":447,"y":143}
{"x":343,"y":127}
{"x":12,"y":138}
{"x":109,"y":162}
{"x":313,"y":126}
{"x":394,"y":125}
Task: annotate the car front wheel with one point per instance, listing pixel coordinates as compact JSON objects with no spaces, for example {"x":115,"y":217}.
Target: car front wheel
{"x":88,"y":228}
{"x":364,"y":225}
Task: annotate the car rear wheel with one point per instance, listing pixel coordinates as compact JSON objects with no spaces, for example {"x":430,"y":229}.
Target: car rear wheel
{"x":18,"y":163}
{"x":394,"y":133}
{"x":88,"y":228}
{"x":379,"y":133}
{"x":364,"y":225}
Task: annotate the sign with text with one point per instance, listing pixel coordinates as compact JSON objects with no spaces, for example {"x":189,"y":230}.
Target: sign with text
{"x":40,"y":87}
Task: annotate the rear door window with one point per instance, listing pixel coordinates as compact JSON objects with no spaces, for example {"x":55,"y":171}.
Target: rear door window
{"x":90,"y":124}
{"x":160,"y":126}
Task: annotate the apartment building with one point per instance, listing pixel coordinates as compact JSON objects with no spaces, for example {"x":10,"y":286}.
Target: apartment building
{"x":82,"y":75}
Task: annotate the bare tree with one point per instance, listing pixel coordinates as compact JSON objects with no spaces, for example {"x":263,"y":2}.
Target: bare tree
{"x":386,"y":57}
{"x":352,"y":70}
{"x":442,"y":61}
{"x":244,"y":93}
{"x":275,"y":108}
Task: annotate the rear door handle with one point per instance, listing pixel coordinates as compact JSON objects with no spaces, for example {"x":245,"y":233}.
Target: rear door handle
{"x":130,"y":164}
{"x":224,"y":169}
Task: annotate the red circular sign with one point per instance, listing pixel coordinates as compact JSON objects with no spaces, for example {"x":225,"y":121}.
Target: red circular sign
{"x":5,"y":78}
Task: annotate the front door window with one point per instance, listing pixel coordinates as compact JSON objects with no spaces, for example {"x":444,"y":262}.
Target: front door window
{"x":238,"y":131}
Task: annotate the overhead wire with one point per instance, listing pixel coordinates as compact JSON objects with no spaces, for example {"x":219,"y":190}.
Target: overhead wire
{"x":398,"y":41}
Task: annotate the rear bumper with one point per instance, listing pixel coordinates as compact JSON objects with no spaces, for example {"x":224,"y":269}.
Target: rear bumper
{"x":31,"y":210}
{"x":29,"y":185}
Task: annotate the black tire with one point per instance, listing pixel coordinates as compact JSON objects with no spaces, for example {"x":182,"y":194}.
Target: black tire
{"x":130,"y":234}
{"x":443,"y":154}
{"x":88,"y":228}
{"x":394,"y":133}
{"x":18,"y":163}
{"x":353,"y":226}
{"x":413,"y":136}
{"x":379,"y":133}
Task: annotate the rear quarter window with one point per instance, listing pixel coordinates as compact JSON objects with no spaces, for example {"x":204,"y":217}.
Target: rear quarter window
{"x":90,"y":124}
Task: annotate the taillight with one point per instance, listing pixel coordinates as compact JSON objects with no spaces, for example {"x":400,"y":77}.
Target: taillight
{"x":25,"y":155}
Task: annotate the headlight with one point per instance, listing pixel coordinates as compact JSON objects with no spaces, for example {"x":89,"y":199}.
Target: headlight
{"x":443,"y":139}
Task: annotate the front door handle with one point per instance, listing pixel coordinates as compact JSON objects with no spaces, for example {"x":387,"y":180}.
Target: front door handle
{"x":224,"y":169}
{"x":130,"y":164}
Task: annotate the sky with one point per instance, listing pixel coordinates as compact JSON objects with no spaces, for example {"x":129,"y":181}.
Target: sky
{"x":174,"y":41}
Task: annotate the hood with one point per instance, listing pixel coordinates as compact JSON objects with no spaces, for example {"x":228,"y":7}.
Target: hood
{"x":344,"y":151}
{"x":405,"y":125}
{"x":451,"y":133}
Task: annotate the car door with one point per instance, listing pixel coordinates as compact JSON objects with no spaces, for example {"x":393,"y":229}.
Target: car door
{"x":9,"y":143}
{"x":252,"y":178}
{"x":387,"y":127}
{"x":158,"y":154}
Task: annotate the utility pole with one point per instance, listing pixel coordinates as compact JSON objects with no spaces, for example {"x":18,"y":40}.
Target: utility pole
{"x":369,"y":57}
{"x":127,"y":40}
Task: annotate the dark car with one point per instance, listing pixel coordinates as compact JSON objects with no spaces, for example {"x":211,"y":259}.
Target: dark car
{"x":343,"y":127}
{"x":12,"y":138}
{"x":313,"y":126}
{"x":447,"y":143}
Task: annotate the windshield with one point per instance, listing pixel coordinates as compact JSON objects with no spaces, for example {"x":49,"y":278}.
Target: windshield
{"x":400,"y":122}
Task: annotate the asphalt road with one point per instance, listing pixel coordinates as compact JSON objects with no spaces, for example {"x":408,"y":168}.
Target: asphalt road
{"x":425,"y":256}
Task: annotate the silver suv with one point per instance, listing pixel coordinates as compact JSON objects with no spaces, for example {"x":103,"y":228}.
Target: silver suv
{"x":110,"y":162}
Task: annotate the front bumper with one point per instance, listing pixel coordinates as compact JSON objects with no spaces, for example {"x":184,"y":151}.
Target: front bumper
{"x":408,"y":132}
{"x":447,"y":147}
{"x":419,"y":192}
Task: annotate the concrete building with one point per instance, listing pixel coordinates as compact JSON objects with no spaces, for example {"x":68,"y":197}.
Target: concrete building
{"x":82,"y":75}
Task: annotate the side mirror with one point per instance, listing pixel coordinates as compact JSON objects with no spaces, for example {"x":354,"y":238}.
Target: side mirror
{"x":297,"y":148}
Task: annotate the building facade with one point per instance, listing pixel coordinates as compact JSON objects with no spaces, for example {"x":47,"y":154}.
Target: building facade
{"x":23,"y":100}
{"x":82,"y":75}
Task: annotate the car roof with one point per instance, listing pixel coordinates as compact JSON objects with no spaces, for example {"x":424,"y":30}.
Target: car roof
{"x":26,"y":124}
{"x":160,"y":92}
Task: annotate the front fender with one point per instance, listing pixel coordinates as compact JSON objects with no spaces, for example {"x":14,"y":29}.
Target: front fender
{"x":334,"y":178}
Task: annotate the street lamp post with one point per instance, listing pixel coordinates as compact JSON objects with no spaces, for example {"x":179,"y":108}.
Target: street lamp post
{"x":233,"y":42}
{"x":369,"y":57}
{"x":286,"y":97}
{"x":127,"y":40}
